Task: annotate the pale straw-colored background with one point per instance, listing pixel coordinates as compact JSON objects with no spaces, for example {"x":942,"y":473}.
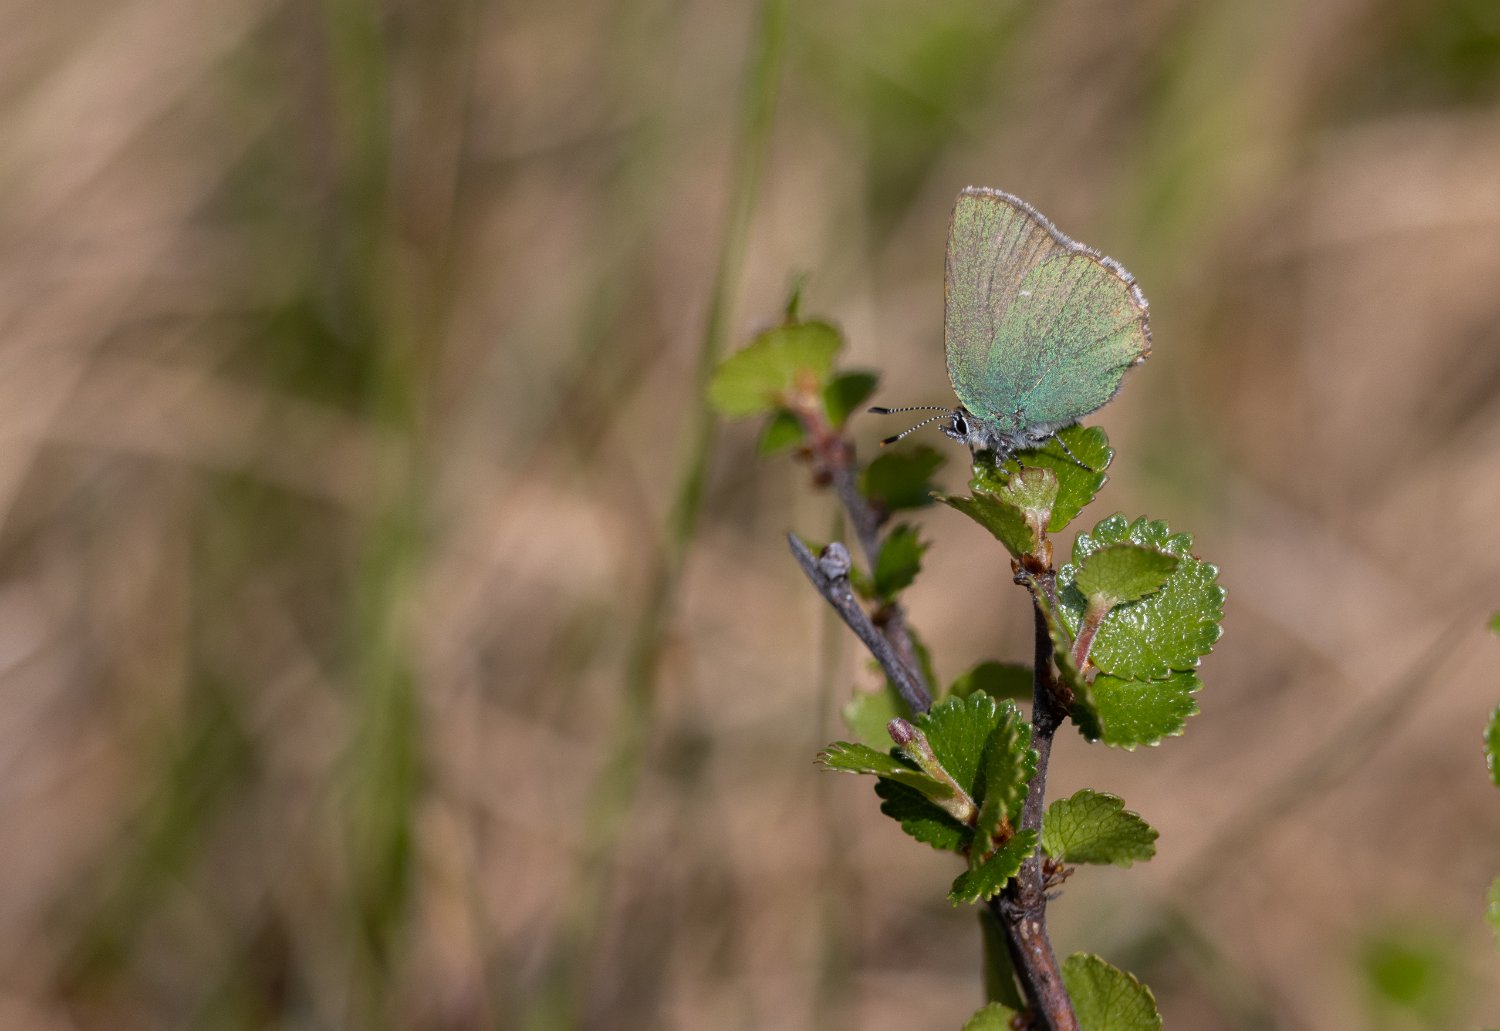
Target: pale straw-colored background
{"x":348,"y":360}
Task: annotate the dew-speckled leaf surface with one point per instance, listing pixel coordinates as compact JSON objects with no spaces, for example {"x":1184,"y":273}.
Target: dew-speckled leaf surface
{"x":1039,"y":329}
{"x":1123,"y":572}
{"x":988,"y":879}
{"x":1095,"y":827}
{"x":1128,"y":713}
{"x":1166,"y":631}
{"x":1106,"y":998}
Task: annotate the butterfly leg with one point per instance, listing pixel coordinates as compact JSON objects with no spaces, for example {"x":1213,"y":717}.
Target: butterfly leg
{"x":1069,"y":452}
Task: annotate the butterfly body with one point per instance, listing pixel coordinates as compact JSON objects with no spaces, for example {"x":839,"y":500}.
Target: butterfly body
{"x":1038,"y":328}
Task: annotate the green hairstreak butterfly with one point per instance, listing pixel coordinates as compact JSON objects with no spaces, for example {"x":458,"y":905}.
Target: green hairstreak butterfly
{"x":1039,"y":329}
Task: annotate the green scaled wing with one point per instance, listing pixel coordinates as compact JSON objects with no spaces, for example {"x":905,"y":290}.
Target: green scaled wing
{"x":1039,"y":329}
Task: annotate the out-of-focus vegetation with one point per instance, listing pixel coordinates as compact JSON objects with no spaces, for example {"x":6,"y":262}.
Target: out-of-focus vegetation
{"x":351,"y":357}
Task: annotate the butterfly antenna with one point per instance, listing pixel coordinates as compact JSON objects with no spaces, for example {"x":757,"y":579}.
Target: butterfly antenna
{"x":909,"y":408}
{"x":918,"y":426}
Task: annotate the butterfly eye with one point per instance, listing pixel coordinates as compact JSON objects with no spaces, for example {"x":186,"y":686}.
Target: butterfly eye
{"x":960,"y":424}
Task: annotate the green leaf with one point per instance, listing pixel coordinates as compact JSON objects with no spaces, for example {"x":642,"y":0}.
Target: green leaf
{"x":1076,"y":485}
{"x":846,"y":392}
{"x":1165,"y":631}
{"x":1031,"y":491}
{"x":868,"y":712}
{"x":996,"y":679}
{"x":782,"y":433}
{"x":920,"y":818}
{"x":990,"y":877}
{"x":1108,"y":999}
{"x":779,"y":365}
{"x":1495,"y":624}
{"x":1492,"y":747}
{"x":1005,"y":521}
{"x":901,"y":479}
{"x":1123,"y":572}
{"x":1009,"y":764}
{"x":1127,"y":713}
{"x":1493,"y":913}
{"x":899,"y":562}
{"x":846,"y":757}
{"x":958,"y":731}
{"x":1000,"y":986}
{"x":993,"y":1017}
{"x":1094,"y":827}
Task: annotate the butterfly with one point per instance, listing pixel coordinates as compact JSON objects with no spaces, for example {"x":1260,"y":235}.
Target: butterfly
{"x":1039,"y":329}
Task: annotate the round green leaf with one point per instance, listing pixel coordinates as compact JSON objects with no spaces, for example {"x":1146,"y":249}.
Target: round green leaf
{"x":1123,"y":572}
{"x":777,"y":365}
{"x":1106,"y":998}
{"x":1094,"y":827}
{"x":1128,"y":713}
{"x":1165,"y":631}
{"x":846,"y":392}
{"x":1076,"y":484}
{"x":901,"y":479}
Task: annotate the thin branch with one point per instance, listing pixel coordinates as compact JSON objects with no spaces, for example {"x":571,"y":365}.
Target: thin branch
{"x":829,"y":573}
{"x":1022,"y":907}
{"x":833,"y":458}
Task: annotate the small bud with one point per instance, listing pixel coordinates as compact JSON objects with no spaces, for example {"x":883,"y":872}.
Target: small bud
{"x":834,"y":561}
{"x":901,"y":732}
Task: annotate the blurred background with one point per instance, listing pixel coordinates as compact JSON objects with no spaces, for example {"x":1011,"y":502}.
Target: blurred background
{"x":389,"y":641}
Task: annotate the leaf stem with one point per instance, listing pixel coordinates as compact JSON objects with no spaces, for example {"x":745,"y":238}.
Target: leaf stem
{"x":1088,"y":629}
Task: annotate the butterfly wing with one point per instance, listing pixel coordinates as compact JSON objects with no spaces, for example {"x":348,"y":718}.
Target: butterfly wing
{"x":1039,"y":328}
